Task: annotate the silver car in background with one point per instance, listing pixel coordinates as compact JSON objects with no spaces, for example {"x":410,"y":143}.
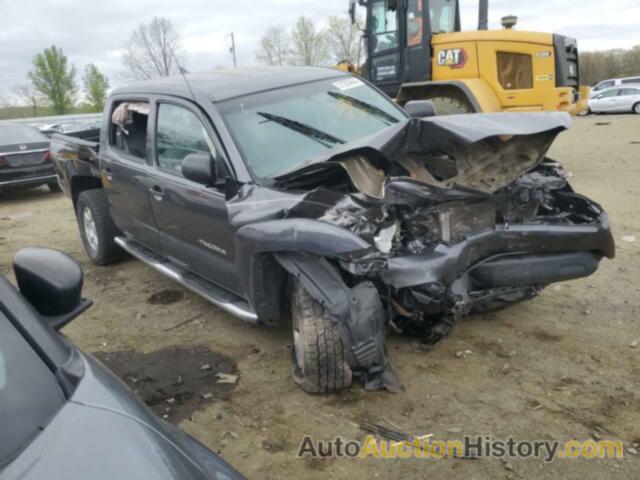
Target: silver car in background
{"x":612,"y":82}
{"x":618,"y":99}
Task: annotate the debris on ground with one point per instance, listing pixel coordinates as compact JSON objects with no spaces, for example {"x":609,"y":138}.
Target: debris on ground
{"x":601,"y":124}
{"x":166,"y":297}
{"x":184,"y":322}
{"x":635,"y":343}
{"x":172,"y":377}
{"x":226,"y":378}
{"x":629,"y":238}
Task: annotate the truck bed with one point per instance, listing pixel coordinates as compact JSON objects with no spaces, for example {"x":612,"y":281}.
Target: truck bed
{"x":75,"y":155}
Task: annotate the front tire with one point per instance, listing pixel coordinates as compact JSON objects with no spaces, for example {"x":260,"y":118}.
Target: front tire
{"x":319,"y":354}
{"x":636,"y":108}
{"x":97,"y":229}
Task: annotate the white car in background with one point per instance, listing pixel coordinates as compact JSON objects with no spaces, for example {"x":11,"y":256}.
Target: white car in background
{"x":612,"y":82}
{"x":618,"y":99}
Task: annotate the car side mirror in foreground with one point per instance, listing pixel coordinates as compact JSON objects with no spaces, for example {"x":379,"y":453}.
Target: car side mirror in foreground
{"x":199,"y":167}
{"x":52,"y":282}
{"x":420,"y":108}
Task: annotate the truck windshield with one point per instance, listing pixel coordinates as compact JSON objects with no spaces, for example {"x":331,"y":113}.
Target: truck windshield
{"x":277,"y":131}
{"x":442,"y":14}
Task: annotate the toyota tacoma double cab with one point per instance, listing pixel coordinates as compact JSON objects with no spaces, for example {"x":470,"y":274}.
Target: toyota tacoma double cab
{"x":307,"y":193}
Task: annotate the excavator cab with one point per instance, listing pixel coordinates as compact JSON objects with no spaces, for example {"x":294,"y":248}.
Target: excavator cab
{"x":398,"y":39}
{"x":417,"y":51}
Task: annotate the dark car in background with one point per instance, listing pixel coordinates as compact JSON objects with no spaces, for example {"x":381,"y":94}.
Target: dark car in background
{"x":25,"y":160}
{"x":62,"y":413}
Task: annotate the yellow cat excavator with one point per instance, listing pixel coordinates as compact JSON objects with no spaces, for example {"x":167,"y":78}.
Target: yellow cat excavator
{"x":417,"y":51}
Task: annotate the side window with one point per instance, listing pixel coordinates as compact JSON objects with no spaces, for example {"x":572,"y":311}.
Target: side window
{"x":128,"y":129}
{"x":611,"y":93}
{"x":384,"y":26}
{"x":631,"y":80}
{"x":180,"y":133}
{"x":603,"y":85}
{"x":442,"y":14}
{"x":515,"y":71}
{"x":414,"y":23}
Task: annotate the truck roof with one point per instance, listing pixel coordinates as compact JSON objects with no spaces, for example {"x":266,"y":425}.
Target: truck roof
{"x":224,"y":84}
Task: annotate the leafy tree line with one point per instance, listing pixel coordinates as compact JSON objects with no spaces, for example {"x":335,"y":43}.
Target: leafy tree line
{"x":598,"y":66}
{"x":51,"y":87}
{"x":153,"y":50}
{"x":307,"y":44}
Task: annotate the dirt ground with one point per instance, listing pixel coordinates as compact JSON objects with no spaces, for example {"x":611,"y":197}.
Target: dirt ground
{"x":561,"y":366}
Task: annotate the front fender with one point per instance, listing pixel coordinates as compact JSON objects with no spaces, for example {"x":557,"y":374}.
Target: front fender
{"x":255,"y":244}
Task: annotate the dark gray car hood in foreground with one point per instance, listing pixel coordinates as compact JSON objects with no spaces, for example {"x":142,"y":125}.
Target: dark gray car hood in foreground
{"x":105,"y":432}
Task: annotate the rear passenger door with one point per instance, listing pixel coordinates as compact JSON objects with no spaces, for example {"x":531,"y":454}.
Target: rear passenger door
{"x":192,"y":218}
{"x":124,"y":162}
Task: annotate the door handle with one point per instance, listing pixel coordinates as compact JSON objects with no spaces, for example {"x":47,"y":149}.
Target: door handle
{"x":157,"y":193}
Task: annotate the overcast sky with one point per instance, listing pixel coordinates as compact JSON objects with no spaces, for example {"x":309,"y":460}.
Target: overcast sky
{"x":95,"y":31}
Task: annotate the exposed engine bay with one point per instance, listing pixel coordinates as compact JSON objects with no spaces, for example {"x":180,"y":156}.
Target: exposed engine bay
{"x":455,"y":215}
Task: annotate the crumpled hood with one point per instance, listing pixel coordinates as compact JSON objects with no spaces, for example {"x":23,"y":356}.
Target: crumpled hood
{"x":482,"y":152}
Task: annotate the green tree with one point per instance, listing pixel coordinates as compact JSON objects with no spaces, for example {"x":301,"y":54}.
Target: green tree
{"x":54,"y":78}
{"x":309,"y":46}
{"x":275,"y":46}
{"x":344,"y":40}
{"x":96,"y":85}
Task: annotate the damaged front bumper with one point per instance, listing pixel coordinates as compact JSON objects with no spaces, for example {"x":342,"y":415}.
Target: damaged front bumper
{"x":486,"y":271}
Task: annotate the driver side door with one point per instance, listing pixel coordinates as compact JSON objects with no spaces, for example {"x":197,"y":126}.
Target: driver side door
{"x":192,"y":218}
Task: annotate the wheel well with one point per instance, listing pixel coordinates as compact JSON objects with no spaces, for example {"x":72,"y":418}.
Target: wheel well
{"x":431,"y":90}
{"x":79,"y":184}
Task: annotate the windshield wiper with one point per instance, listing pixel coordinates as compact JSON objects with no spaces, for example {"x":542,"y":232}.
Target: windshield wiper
{"x":367,"y":107}
{"x":319,"y":136}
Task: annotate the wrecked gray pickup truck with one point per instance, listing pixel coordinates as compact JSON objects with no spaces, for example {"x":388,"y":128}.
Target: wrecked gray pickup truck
{"x":307,"y":193}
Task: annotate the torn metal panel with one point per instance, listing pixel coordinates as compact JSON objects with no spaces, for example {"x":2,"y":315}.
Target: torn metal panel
{"x":486,"y":151}
{"x":358,"y":311}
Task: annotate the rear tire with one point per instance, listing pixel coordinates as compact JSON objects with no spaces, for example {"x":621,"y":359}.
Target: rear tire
{"x":636,"y":108}
{"x":319,"y":354}
{"x":450,"y":106}
{"x":97,"y":229}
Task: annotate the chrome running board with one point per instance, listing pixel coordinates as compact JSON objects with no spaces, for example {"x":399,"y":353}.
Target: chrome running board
{"x":227,"y":301}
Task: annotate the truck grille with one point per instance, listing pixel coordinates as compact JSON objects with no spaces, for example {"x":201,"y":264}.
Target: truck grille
{"x":26,"y":159}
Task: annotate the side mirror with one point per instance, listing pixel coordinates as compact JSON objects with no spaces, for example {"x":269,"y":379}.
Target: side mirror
{"x":52,"y":282}
{"x":420,"y":108}
{"x":199,"y":167}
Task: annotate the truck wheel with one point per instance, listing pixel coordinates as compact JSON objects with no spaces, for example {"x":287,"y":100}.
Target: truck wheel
{"x":319,"y":356}
{"x":97,"y":228}
{"x":54,"y":187}
{"x":450,"y":106}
